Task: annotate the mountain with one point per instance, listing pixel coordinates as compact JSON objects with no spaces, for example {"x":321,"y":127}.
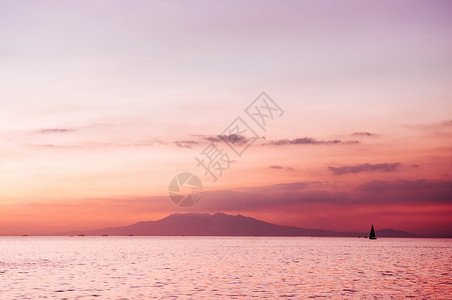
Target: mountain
{"x":220,"y":224}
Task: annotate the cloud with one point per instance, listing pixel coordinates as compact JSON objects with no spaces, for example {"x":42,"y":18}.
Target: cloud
{"x":101,"y":145}
{"x":361,"y":133}
{"x":415,"y":188}
{"x":240,"y":139}
{"x":308,"y":141}
{"x":364,"y":168}
{"x":281,"y":168}
{"x":186,"y":143}
{"x":52,"y":146}
{"x":406,"y":194}
{"x":436,"y":126}
{"x":232,"y":138}
{"x":56,"y":130}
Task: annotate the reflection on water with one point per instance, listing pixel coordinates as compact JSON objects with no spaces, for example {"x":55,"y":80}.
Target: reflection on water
{"x":186,"y":267}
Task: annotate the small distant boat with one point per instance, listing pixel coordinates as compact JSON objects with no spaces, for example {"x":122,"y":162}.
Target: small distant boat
{"x":81,"y":235}
{"x":372,"y":233}
{"x":104,"y":234}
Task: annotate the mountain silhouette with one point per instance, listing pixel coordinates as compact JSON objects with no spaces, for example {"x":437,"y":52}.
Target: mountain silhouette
{"x":220,"y":224}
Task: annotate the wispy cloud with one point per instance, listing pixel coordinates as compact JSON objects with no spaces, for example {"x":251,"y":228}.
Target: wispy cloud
{"x":281,"y":168}
{"x":55,"y":130}
{"x":365,"y":168}
{"x":240,"y":139}
{"x":435,"y":126}
{"x":363,"y":133}
{"x":100,"y":145}
{"x":186,"y":143}
{"x":232,"y":138}
{"x":200,"y":139}
{"x":308,"y":141}
{"x":53,"y":146}
{"x":276,"y":167}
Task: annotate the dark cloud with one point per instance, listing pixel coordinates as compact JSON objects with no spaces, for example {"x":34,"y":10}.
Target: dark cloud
{"x":292,"y":186}
{"x":56,"y":130}
{"x":240,"y":139}
{"x":363,"y":134}
{"x":308,"y":141}
{"x":232,"y":138}
{"x":276,"y":167}
{"x":300,"y":194}
{"x":364,"y":168}
{"x":213,"y":138}
{"x":411,"y":186}
{"x":408,"y":191}
{"x":422,"y":206}
{"x":281,"y":168}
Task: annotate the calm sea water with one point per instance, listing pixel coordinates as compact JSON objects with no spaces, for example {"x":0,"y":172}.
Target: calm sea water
{"x":214,"y":267}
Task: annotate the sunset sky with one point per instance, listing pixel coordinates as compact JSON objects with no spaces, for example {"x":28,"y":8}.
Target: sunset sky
{"x":104,"y":102}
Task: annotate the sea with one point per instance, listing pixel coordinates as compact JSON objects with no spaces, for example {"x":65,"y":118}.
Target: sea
{"x":133,"y":267}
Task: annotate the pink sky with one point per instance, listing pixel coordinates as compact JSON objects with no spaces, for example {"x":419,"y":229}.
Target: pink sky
{"x":96,"y":96}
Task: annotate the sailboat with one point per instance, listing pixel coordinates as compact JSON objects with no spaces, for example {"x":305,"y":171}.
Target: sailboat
{"x":372,"y":233}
